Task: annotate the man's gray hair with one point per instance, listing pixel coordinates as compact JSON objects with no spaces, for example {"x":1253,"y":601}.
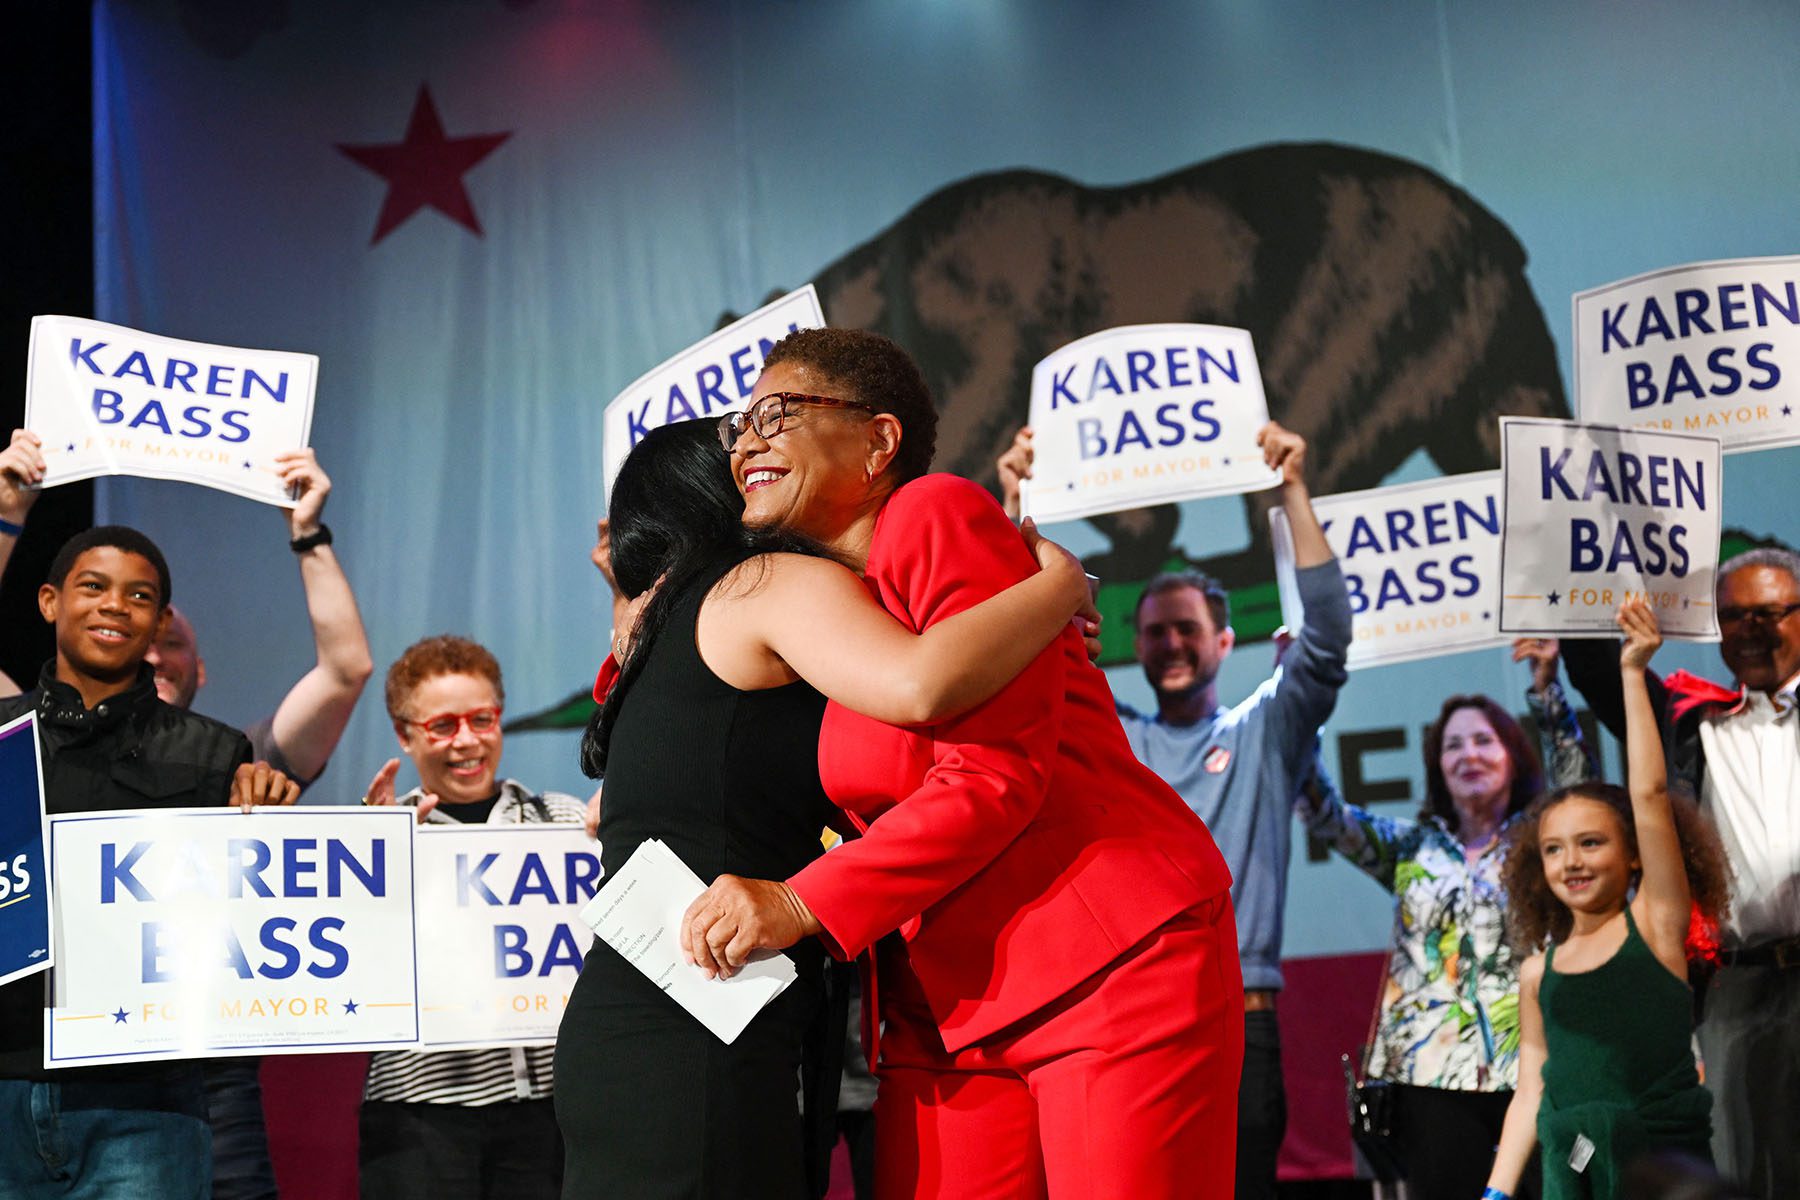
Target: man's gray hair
{"x":1778,"y":557}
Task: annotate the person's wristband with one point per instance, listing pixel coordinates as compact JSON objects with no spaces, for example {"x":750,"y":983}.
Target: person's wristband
{"x":318,"y":537}
{"x":11,"y":528}
{"x":1495,"y":1193}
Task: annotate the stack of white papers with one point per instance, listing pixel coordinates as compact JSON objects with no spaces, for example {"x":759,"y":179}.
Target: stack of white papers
{"x":638,"y":913}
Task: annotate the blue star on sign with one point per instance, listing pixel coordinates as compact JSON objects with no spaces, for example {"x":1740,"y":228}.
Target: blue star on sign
{"x":350,"y":1007}
{"x":119,"y":1017}
{"x":1553,"y":598}
{"x":246,"y":464}
{"x":71,"y":447}
{"x":1787,"y":410}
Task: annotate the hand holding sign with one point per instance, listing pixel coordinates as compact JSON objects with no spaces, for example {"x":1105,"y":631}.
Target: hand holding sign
{"x":21,"y":471}
{"x":1544,"y":654}
{"x":258,"y":785}
{"x":306,"y":481}
{"x":1643,"y":637}
{"x":1284,"y":452}
{"x":1014,"y":468}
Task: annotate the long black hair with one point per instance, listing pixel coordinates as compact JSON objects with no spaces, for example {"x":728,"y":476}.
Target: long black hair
{"x":675,"y":516}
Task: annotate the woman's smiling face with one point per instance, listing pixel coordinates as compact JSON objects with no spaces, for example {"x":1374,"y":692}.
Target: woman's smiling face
{"x":1478,"y":770}
{"x":813,"y":472}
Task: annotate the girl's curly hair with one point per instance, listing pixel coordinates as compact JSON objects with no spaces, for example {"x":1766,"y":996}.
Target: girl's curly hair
{"x":1533,"y":913}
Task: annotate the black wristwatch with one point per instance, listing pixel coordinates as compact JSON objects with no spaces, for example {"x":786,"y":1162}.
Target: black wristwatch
{"x":318,"y":537}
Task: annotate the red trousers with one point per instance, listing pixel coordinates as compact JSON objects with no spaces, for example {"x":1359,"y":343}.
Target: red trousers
{"x":1126,"y":1086}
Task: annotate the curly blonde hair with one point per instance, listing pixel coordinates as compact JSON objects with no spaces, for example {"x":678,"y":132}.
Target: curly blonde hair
{"x":1535,"y":916}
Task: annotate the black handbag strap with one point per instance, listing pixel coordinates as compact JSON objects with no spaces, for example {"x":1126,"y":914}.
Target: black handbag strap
{"x":1368,"y":1046}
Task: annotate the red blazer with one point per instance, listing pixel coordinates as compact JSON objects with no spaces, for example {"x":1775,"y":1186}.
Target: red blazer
{"x":1020,"y":847}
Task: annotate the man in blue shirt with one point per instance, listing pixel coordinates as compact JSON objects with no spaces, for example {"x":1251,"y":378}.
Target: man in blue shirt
{"x":1239,"y":768}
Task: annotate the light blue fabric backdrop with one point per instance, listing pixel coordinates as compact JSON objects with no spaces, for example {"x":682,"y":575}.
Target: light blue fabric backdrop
{"x":668,"y":162}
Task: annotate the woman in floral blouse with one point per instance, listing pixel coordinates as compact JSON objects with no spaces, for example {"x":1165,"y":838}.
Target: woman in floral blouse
{"x":1448,"y":1030}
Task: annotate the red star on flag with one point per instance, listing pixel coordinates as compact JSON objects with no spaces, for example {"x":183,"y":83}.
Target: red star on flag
{"x":426,"y":169}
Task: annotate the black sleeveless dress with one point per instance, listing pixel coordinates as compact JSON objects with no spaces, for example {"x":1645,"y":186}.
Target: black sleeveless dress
{"x":651,"y":1103}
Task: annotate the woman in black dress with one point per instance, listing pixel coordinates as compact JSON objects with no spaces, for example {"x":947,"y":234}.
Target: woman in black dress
{"x":709,"y":742}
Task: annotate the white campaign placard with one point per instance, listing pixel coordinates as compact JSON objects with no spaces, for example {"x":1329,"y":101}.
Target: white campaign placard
{"x":501,"y":938}
{"x":1596,"y":513}
{"x":638,"y":913}
{"x":710,"y":378}
{"x":1711,"y":348}
{"x":108,"y":400}
{"x":1145,"y":414}
{"x":1421,"y":562}
{"x":199,"y":932}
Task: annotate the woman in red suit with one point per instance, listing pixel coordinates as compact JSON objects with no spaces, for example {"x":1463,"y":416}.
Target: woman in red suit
{"x":1063,"y":1008}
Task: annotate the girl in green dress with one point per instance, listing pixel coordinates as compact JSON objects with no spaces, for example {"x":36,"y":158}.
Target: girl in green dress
{"x":1609,"y":879}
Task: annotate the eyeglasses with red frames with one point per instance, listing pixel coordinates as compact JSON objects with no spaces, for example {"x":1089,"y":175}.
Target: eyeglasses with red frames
{"x":767,"y":414}
{"x":444,"y":726}
{"x":1762,"y":614}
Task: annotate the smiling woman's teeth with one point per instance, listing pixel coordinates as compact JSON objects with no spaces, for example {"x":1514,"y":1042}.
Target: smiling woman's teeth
{"x":753,"y":478}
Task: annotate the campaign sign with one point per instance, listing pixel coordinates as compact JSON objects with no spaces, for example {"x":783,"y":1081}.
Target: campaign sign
{"x":501,"y":939}
{"x":1421,"y":562}
{"x":710,"y":378}
{"x":1712,"y":348}
{"x":108,"y":400}
{"x":1145,"y":414}
{"x":1594,"y":514}
{"x":196,"y":932}
{"x":24,"y":878}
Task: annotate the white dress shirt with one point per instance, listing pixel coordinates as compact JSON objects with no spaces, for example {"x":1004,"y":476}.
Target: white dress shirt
{"x":1752,"y":789}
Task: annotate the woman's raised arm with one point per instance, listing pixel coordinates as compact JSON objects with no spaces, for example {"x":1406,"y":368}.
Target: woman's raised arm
{"x":819,"y":619}
{"x":1663,"y":898}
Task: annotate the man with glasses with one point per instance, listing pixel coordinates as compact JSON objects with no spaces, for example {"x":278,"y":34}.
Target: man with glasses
{"x":460,"y":1123}
{"x":1740,"y":751}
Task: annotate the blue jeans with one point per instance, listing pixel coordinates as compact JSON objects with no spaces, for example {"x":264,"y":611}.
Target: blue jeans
{"x":101,"y":1139}
{"x":240,"y":1140}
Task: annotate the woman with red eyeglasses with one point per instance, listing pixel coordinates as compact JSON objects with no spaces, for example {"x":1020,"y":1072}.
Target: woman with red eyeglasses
{"x":461,"y":1123}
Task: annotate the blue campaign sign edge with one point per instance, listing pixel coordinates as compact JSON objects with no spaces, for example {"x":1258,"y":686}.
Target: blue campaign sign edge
{"x":47,"y":951}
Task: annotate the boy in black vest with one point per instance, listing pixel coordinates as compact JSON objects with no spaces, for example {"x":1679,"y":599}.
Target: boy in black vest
{"x":108,"y":743}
